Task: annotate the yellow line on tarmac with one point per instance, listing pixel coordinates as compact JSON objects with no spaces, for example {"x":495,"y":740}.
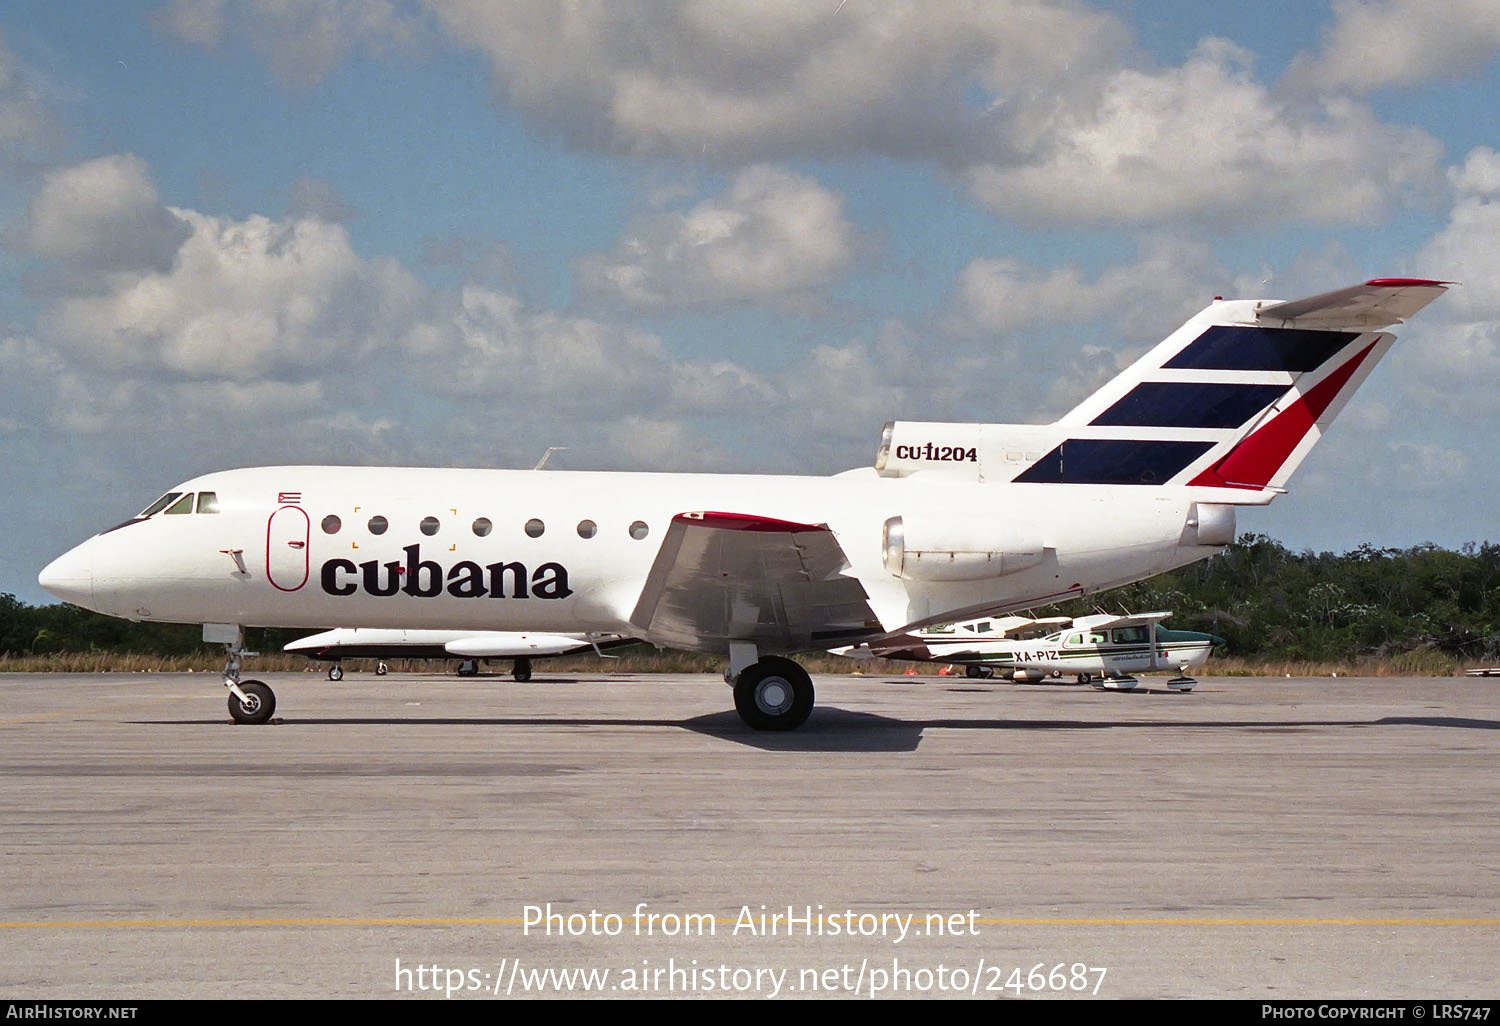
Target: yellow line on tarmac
{"x":89,"y":924}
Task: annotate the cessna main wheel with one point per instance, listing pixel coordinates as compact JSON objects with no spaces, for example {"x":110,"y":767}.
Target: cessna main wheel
{"x":259,"y":705}
{"x":335,"y":672}
{"x":773,"y":694}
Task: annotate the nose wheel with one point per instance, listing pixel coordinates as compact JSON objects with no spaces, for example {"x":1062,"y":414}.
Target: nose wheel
{"x":257,"y":705}
{"x":250,"y":701}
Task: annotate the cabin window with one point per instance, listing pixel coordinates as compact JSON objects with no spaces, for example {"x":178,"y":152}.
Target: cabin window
{"x":331,"y":524}
{"x":1131,"y":635}
{"x":982,"y":628}
{"x":182,"y":505}
{"x":428,"y":526}
{"x":587,"y":528}
{"x":208,"y":502}
{"x":482,"y":527}
{"x":159,"y":505}
{"x":378,"y":524}
{"x":534,"y":528}
{"x":1074,"y":641}
{"x":639,"y":530}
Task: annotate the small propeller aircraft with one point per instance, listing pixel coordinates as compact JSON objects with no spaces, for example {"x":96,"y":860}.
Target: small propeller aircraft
{"x":1104,"y":650}
{"x":954,"y":521}
{"x":470,"y":647}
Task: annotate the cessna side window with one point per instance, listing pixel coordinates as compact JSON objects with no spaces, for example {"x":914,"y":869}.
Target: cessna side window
{"x":483,"y":527}
{"x":981,"y":628}
{"x":428,"y":526}
{"x":1074,"y":640}
{"x":1130,"y":635}
{"x":639,"y":530}
{"x":208,"y":502}
{"x":182,"y":505}
{"x":331,"y":524}
{"x":534,"y":528}
{"x":159,"y":505}
{"x":378,"y":524}
{"x":587,"y":528}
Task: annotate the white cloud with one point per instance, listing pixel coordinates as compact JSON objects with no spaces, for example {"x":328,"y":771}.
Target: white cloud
{"x":330,"y":354}
{"x":1479,"y":175}
{"x":1449,"y":358}
{"x":104,"y":215}
{"x":731,"y":81}
{"x":1418,"y":465}
{"x":24,"y":120}
{"x":773,"y":233}
{"x":241,"y":301}
{"x":1377,"y":43}
{"x":1205,"y":141}
{"x":301,"y":40}
{"x":1169,"y":280}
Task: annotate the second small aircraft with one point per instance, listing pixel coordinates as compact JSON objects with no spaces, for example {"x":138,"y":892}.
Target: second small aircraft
{"x":1104,"y":650}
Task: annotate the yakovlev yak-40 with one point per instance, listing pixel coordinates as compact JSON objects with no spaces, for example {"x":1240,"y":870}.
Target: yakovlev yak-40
{"x":954,"y":521}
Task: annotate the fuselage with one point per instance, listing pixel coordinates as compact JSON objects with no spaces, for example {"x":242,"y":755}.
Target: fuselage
{"x":569,"y":551}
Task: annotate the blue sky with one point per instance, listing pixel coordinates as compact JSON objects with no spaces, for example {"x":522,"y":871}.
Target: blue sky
{"x":715,"y":235}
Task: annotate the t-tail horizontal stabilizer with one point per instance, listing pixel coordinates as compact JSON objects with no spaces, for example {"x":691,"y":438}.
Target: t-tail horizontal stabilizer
{"x":1228,"y":405}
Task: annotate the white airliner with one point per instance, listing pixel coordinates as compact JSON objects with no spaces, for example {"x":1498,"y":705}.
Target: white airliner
{"x":468,"y":646}
{"x":953,"y":521}
{"x":1100,"y":649}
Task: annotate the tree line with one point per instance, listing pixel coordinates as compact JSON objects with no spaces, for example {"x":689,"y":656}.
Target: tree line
{"x":1268,"y":602}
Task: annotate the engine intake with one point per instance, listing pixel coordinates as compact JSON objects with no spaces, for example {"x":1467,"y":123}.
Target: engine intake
{"x":927,"y":547}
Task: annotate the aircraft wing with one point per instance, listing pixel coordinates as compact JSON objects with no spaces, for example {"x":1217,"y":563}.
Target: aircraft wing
{"x":514,"y":644}
{"x":1008,"y":625}
{"x":1104,"y":621}
{"x":722,"y":577}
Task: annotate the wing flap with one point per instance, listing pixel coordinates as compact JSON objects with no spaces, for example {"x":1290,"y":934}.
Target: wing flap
{"x":722,"y":577}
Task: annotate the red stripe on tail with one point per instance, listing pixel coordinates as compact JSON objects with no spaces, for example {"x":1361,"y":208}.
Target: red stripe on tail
{"x":1253,"y":462}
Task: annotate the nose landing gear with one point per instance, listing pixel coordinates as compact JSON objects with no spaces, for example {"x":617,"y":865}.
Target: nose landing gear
{"x":250,"y":701}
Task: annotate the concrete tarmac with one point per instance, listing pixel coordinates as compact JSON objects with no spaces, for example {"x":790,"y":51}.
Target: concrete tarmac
{"x":425,"y":836}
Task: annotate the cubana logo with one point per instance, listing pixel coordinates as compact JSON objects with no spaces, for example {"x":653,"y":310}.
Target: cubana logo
{"x":423,"y":578}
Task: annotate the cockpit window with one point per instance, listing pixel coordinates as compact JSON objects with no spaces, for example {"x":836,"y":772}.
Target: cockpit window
{"x":208,"y":502}
{"x":182,"y":505}
{"x":159,"y":505}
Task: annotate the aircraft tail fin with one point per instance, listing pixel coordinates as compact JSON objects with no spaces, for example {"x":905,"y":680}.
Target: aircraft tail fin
{"x":1230,"y":403}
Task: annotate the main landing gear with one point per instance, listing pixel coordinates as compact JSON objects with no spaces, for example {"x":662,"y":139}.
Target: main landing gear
{"x":250,"y":701}
{"x":522,"y":669}
{"x":773,"y":693}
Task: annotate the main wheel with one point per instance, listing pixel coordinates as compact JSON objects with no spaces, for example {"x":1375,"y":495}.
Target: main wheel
{"x":335,"y":672}
{"x":523,"y":670}
{"x":773,"y":694}
{"x":260,"y":704}
{"x":468,"y":668}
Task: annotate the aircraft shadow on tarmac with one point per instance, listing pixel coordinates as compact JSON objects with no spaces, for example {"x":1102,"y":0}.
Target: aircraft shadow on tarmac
{"x":831,"y":729}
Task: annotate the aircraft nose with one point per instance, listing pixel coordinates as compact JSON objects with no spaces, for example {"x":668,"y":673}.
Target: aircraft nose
{"x":70,"y":577}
